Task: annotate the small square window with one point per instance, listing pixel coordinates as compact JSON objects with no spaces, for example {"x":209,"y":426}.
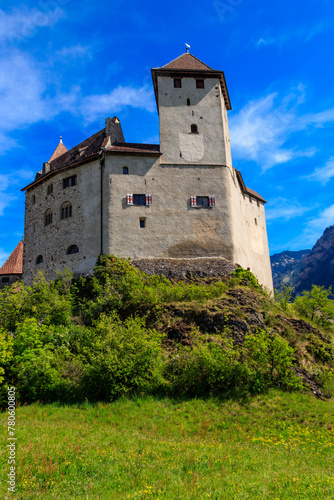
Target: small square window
{"x":142,"y":222}
{"x":125,"y":170}
{"x":200,"y":84}
{"x":139,"y":199}
{"x":5,"y":280}
{"x":202,"y":201}
{"x":177,"y":83}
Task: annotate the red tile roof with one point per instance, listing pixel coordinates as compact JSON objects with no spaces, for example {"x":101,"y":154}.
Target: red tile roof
{"x":13,"y":264}
{"x":60,"y":150}
{"x":188,"y":62}
{"x":129,"y":147}
{"x":247,"y":190}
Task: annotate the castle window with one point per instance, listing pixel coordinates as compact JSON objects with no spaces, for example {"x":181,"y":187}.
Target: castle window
{"x":188,"y":102}
{"x":70,"y":181}
{"x":48,"y":217}
{"x":200,"y":84}
{"x":39,"y":259}
{"x":202,"y":201}
{"x":177,"y":83}
{"x":125,"y":170}
{"x":194,"y":129}
{"x":50,"y":189}
{"x":5,"y":280}
{"x":66,"y":210}
{"x":72,"y":249}
{"x":255,"y":222}
{"x":142,"y":222}
{"x":33,"y":200}
{"x":139,"y":199}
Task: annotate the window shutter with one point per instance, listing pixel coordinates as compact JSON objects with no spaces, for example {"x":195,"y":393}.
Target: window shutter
{"x":193,"y":201}
{"x":148,"y":200}
{"x":212,"y":201}
{"x":129,"y":199}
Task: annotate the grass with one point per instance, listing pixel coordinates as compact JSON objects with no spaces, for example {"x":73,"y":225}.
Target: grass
{"x":274,"y":446}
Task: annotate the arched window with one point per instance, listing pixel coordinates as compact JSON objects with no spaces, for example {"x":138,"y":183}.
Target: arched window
{"x":66,"y":210}
{"x":48,"y":217}
{"x":39,"y":259}
{"x":194,"y":129}
{"x":72,"y":249}
{"x":125,"y":170}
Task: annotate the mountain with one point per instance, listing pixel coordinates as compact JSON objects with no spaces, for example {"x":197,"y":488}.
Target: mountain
{"x":286,"y":265}
{"x":306,"y":268}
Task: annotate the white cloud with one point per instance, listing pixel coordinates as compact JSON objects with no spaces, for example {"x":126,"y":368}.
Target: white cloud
{"x":74,"y":52}
{"x":91,"y":107}
{"x":262,"y":127}
{"x":22,"y":23}
{"x":323,"y":174}
{"x":323,"y":220}
{"x":282,"y":208}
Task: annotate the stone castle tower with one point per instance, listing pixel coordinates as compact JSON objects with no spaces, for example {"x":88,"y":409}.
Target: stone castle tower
{"x":182,"y":199}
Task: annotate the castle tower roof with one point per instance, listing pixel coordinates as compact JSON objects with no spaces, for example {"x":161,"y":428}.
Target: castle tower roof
{"x":13,"y":264}
{"x":187,"y":62}
{"x":188,"y":65}
{"x":60,"y":149}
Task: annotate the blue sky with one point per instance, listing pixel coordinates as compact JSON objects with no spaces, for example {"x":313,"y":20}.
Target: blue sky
{"x":67,"y":65}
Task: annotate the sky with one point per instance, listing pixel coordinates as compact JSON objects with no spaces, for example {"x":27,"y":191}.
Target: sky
{"x":66,"y":65}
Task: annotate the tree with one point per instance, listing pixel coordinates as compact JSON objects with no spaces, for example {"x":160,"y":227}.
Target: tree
{"x":315,"y":305}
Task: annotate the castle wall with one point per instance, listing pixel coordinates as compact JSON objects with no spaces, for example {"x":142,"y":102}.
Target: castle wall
{"x":81,"y":229}
{"x":177,"y":144}
{"x":173,"y":228}
{"x":250,"y":234}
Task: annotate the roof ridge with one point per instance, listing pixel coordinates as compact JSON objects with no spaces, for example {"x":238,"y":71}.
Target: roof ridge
{"x":186,"y":54}
{"x":76,"y":147}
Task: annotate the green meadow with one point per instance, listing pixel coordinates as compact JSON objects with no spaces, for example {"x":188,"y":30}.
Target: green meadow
{"x":271,"y":446}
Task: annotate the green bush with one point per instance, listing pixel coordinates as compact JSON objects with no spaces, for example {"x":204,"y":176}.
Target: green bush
{"x":125,"y":358}
{"x":315,"y":306}
{"x":270,"y":358}
{"x":241,"y":274}
{"x":205,"y":368}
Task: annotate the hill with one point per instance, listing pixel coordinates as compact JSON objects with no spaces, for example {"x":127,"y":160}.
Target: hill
{"x":122,"y":332}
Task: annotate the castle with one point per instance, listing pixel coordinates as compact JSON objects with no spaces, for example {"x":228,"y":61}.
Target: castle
{"x":181,"y":199}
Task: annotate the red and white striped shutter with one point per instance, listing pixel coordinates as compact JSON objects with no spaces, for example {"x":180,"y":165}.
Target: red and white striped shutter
{"x":193,"y":201}
{"x":148,"y":199}
{"x":129,"y":199}
{"x":212,"y":201}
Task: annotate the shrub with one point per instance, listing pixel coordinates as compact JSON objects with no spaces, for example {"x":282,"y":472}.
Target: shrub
{"x":241,"y":274}
{"x":125,"y":358}
{"x":270,"y":358}
{"x":315,"y":305}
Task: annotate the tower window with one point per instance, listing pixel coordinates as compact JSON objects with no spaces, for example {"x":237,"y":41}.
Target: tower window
{"x":177,"y":83}
{"x":33,"y":199}
{"x":200,"y":84}
{"x":125,"y":170}
{"x":66,"y":210}
{"x":255,"y":222}
{"x":50,"y":189}
{"x":70,"y":181}
{"x":72,"y":249}
{"x":194,"y":129}
{"x":39,"y":259}
{"x":142,"y":222}
{"x":48,"y":217}
{"x":188,"y":102}
{"x":139,"y":199}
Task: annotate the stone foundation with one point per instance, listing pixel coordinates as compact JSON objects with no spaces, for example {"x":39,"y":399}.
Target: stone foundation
{"x":202,"y":267}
